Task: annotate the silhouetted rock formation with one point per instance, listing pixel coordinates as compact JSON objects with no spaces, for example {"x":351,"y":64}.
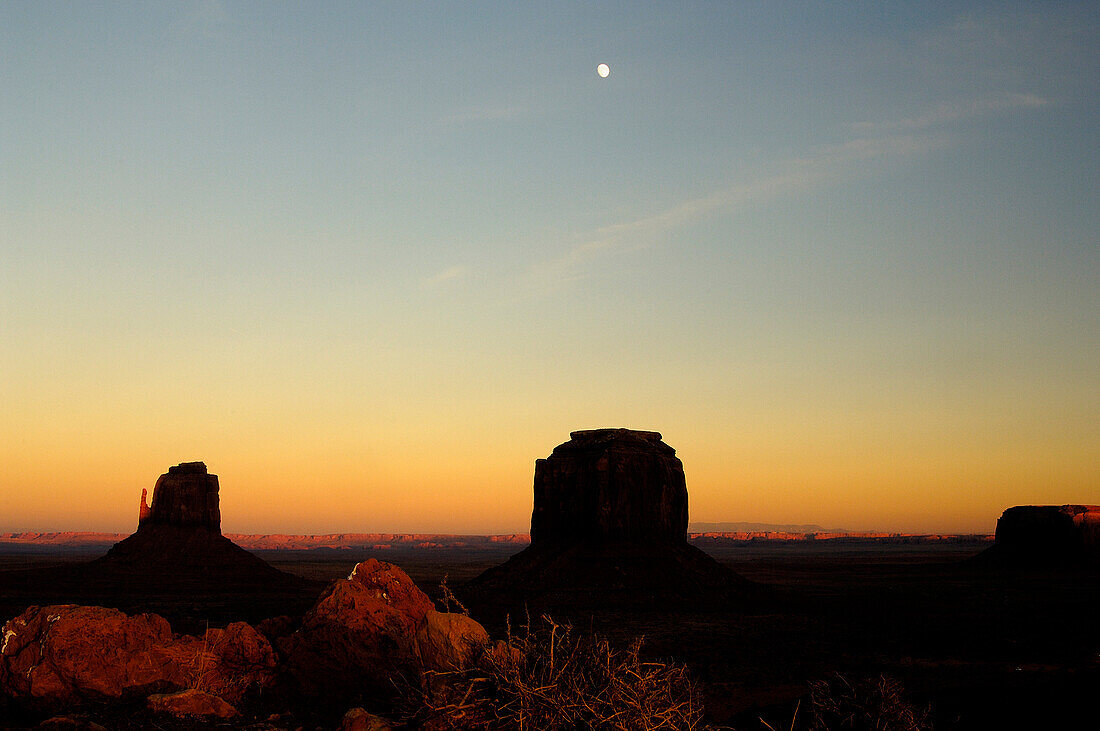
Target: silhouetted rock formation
{"x":187,"y":496}
{"x":178,"y":543}
{"x":1046,"y":535}
{"x":609,"y":525}
{"x":610,"y":485}
{"x":177,"y":550}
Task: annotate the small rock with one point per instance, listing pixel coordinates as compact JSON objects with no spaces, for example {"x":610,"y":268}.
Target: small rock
{"x":70,"y":723}
{"x":357,"y":719}
{"x":189,"y":704}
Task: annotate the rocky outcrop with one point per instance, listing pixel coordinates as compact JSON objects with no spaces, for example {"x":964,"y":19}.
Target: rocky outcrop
{"x":609,"y":525}
{"x":1044,"y":535}
{"x":64,"y":655}
{"x":143,"y":508}
{"x":372,"y":627}
{"x":610,"y":485}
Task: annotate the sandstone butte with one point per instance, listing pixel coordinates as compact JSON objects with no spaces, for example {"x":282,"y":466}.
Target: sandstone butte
{"x":1046,"y":535}
{"x":179,"y":547}
{"x":609,"y":524}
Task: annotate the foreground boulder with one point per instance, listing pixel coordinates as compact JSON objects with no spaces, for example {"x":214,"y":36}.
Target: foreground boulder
{"x":369,"y":629}
{"x":448,"y":641}
{"x":1046,"y":535}
{"x":65,"y":655}
{"x":609,"y":525}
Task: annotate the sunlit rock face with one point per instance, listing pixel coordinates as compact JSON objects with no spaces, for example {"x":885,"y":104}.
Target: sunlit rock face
{"x":59,"y":656}
{"x":610,"y":485}
{"x":1041,"y":533}
{"x":186,"y":496}
{"x":609,"y":526}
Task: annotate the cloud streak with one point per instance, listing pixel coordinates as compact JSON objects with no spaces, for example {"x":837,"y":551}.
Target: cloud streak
{"x":827,"y":163}
{"x":447,"y":275}
{"x":955,"y":112}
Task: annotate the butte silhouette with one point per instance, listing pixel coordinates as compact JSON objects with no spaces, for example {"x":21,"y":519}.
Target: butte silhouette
{"x":177,"y":563}
{"x":609,"y":525}
{"x":179,"y":543}
{"x":1045,"y":536}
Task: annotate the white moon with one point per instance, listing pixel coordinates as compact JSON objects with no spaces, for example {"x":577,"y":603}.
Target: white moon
{"x":603,"y":70}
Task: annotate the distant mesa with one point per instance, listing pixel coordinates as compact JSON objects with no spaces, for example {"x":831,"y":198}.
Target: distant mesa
{"x":609,"y":523}
{"x":1046,"y":535}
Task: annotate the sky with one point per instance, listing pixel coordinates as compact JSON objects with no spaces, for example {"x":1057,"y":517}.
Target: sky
{"x":369,"y":261}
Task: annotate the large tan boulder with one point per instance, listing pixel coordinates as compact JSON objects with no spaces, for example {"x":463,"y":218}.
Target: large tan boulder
{"x":450,"y":641}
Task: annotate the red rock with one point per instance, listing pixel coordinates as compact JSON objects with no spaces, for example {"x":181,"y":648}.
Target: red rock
{"x":391,"y":584}
{"x":275,"y":627}
{"x":1045,"y":534}
{"x":143,"y":508}
{"x":450,"y":641}
{"x":66,"y":653}
{"x":360,"y":633}
{"x":190,"y":704}
{"x":357,"y":719}
{"x":70,"y":723}
{"x":63,"y":655}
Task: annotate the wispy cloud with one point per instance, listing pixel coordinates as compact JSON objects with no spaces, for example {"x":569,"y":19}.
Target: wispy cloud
{"x":455,"y":272}
{"x":955,"y":112}
{"x":827,"y":163}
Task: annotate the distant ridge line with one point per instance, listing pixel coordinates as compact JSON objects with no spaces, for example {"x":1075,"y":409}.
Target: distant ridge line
{"x":385,"y":541}
{"x":742,"y":527}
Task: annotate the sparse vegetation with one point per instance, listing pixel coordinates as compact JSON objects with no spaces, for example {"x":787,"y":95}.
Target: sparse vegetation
{"x":874,"y":704}
{"x":550,"y":677}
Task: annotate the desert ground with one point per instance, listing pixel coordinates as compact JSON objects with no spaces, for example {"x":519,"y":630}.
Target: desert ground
{"x":981,"y":647}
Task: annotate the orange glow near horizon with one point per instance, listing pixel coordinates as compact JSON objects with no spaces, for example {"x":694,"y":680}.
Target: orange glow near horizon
{"x":476,"y":481}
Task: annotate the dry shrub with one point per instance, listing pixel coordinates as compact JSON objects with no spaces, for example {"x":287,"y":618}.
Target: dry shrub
{"x":875,"y":704}
{"x":550,"y":677}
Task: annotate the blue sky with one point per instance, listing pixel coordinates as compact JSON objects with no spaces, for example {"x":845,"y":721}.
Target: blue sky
{"x":816,"y":245}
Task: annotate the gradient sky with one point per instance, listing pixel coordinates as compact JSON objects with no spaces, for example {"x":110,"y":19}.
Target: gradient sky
{"x":369,"y":261}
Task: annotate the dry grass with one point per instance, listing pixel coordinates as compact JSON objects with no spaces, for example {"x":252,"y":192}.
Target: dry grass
{"x":875,"y":704}
{"x":550,"y":677}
